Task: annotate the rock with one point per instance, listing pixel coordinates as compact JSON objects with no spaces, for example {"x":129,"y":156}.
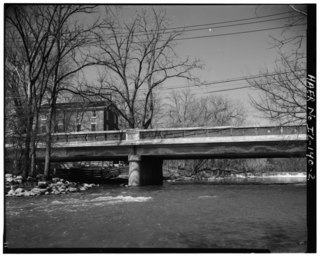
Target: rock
{"x":31,"y":179}
{"x":55,"y":180}
{"x":59,"y":183}
{"x":61,"y":189}
{"x":27,"y":193}
{"x":47,"y":193}
{"x":18,"y":179}
{"x":19,"y":190}
{"x":11,"y":193}
{"x":9,"y":179}
{"x":83,"y":188}
{"x":38,"y":191}
{"x":71,"y":189}
{"x":42,"y":184}
{"x":8,"y":175}
{"x":39,"y":176}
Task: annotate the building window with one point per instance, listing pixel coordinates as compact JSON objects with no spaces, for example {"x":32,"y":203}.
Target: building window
{"x":93,"y":127}
{"x":60,"y":127}
{"x":78,"y":127}
{"x":94,"y":114}
{"x":43,"y":128}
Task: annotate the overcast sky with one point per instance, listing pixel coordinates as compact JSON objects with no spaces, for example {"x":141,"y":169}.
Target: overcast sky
{"x":234,"y":55}
{"x":225,"y":46}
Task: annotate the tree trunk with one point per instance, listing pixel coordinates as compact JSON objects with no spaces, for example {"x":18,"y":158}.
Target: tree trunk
{"x":26,"y":167}
{"x":34,"y":146}
{"x":48,"y":146}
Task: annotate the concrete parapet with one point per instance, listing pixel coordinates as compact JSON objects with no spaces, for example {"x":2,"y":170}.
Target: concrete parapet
{"x":132,"y":135}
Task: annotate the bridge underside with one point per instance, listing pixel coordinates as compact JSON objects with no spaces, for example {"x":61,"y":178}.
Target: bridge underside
{"x":184,"y":151}
{"x":145,"y":160}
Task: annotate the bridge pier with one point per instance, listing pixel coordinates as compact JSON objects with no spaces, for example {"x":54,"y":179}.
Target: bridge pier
{"x":144,"y":171}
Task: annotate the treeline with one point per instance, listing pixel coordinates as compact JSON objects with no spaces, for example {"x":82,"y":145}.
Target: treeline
{"x":52,"y":51}
{"x":225,"y":167}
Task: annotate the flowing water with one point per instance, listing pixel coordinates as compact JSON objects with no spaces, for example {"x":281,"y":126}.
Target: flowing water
{"x":193,"y":215}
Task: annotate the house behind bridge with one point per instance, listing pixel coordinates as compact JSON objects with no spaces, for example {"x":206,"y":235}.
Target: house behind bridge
{"x":81,"y":116}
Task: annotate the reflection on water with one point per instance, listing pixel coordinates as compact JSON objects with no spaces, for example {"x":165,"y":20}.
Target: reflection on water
{"x":170,"y":216}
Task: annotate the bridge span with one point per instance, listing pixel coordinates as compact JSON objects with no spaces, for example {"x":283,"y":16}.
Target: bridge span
{"x":146,"y":149}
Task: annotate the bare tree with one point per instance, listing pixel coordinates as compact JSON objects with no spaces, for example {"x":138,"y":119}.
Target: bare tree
{"x":29,"y":42}
{"x":46,"y":45}
{"x":282,"y":89}
{"x":137,"y":58}
{"x":283,"y":96}
{"x":186,"y":110}
{"x":70,"y":55}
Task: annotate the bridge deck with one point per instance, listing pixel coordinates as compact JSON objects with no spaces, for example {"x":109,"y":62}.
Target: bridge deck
{"x":208,"y":142}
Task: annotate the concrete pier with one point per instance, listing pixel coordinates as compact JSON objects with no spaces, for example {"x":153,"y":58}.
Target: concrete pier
{"x":144,"y":171}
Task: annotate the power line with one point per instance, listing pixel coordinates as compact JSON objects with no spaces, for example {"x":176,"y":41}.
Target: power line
{"x":223,"y":22}
{"x":210,"y":26}
{"x":237,"y":33}
{"x":231,"y":25}
{"x":231,"y":89}
{"x":230,"y":80}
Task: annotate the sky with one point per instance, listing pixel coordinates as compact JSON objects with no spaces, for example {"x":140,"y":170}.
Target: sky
{"x":225,"y":57}
{"x":223,"y":46}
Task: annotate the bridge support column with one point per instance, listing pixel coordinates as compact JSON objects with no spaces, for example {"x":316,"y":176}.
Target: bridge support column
{"x":144,"y":171}
{"x":134,"y":170}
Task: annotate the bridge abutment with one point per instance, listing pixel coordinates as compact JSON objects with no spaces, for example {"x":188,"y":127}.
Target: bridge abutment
{"x":144,"y":171}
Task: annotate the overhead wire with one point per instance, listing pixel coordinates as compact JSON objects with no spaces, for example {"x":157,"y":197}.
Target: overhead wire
{"x":230,"y":25}
{"x":206,"y":26}
{"x":223,"y":22}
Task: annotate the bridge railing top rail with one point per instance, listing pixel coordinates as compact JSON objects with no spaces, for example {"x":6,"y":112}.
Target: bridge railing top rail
{"x":137,"y":134}
{"x":223,"y":127}
{"x":221,"y":131}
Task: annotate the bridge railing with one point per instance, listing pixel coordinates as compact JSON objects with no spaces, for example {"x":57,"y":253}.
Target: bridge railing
{"x":220,"y":132}
{"x":135,"y":135}
{"x":89,"y":136}
{"x":76,"y":136}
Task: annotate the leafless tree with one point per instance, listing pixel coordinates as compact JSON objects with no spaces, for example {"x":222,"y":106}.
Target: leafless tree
{"x":45,"y":45}
{"x":71,"y":54}
{"x":283,"y":89}
{"x":187,"y":110}
{"x":138,"y":57}
{"x":29,"y":42}
{"x":283,"y":95}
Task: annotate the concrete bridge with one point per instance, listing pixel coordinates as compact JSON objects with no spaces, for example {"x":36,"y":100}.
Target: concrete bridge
{"x":146,"y":149}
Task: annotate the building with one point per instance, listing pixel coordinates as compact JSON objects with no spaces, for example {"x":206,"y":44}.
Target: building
{"x":81,"y":116}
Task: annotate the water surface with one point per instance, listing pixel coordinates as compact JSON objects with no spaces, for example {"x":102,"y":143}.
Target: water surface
{"x":170,"y":216}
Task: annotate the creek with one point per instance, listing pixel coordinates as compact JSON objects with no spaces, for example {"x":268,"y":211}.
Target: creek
{"x":175,"y":215}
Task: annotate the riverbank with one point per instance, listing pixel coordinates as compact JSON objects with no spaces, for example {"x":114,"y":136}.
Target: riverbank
{"x":15,"y":186}
{"x":56,"y":186}
{"x":279,"y":178}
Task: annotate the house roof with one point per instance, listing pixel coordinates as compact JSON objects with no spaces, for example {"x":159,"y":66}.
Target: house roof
{"x":92,"y":105}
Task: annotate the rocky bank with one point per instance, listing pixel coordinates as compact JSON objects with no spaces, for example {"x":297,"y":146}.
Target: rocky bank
{"x":34,"y":187}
